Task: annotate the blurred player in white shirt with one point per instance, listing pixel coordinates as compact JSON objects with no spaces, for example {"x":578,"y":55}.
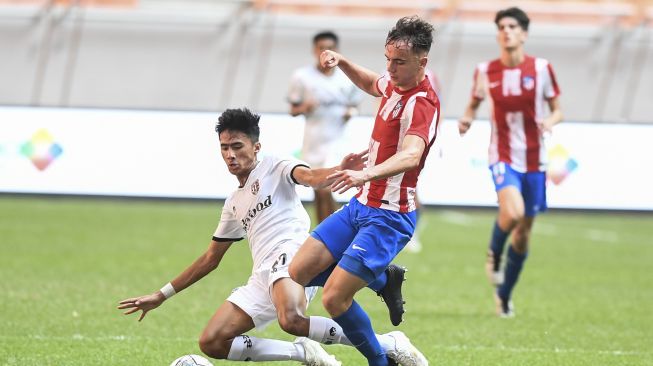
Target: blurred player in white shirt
{"x":265,"y":209}
{"x":327,"y":99}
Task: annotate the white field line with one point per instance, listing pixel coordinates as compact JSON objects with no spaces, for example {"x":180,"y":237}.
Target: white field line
{"x":607,"y":236}
{"x":458,"y":218}
{"x":457,"y":348}
{"x":541,"y":350}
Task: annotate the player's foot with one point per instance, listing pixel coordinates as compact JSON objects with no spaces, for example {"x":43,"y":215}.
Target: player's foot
{"x":391,"y":293}
{"x":493,"y":270}
{"x":404,"y":353}
{"x":504,"y":308}
{"x":315,"y":354}
{"x":414,"y":245}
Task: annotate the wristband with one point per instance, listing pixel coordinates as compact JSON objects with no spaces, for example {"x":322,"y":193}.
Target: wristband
{"x":168,"y":291}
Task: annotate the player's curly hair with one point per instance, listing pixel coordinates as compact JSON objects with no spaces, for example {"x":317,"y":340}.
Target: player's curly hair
{"x":516,"y":13}
{"x":242,"y":120}
{"x":414,"y":31}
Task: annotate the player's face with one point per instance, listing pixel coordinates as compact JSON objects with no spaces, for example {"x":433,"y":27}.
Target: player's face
{"x":404,"y":66}
{"x":322,"y":45}
{"x":238,"y":152}
{"x":510,"y":34}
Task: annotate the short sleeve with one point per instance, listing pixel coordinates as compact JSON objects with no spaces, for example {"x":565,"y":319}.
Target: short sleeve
{"x":229,"y":228}
{"x":423,"y":116}
{"x":286,"y":167}
{"x":551,"y":89}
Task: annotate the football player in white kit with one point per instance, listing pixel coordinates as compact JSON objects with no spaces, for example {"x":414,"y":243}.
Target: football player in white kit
{"x":266,"y":209}
{"x":327,"y":99}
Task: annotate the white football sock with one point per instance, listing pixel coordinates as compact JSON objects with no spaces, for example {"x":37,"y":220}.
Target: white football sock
{"x":248,"y":348}
{"x":327,"y":331}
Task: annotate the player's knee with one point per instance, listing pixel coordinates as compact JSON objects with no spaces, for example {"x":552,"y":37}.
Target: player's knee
{"x":293,"y":322}
{"x":294,"y":273}
{"x":214,"y":346}
{"x":333,"y":303}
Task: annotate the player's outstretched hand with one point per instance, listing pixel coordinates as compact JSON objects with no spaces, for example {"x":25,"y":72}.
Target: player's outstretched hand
{"x":464,"y":124}
{"x":345,"y":179}
{"x":329,"y":59}
{"x":144,"y":303}
{"x":354,"y":161}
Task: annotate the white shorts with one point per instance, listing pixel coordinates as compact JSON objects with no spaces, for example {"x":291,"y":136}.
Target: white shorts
{"x":255,"y":298}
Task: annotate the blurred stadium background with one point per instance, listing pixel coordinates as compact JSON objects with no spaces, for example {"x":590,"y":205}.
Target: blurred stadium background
{"x":119,"y":98}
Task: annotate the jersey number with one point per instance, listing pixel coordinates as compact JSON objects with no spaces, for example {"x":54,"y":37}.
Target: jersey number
{"x":280,"y":261}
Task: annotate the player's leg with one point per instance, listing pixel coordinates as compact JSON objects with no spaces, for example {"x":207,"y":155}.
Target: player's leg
{"x":511,"y":210}
{"x":381,"y":235}
{"x":325,"y":205}
{"x":224,"y":338}
{"x":316,"y":259}
{"x":534,"y":197}
{"x":338,"y":300}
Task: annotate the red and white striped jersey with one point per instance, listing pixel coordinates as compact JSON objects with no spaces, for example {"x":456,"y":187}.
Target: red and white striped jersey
{"x":518,"y":97}
{"x":411,"y":112}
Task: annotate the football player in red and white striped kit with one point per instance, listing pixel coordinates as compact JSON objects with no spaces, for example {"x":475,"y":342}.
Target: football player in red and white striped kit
{"x":519,"y":88}
{"x":359,"y":241}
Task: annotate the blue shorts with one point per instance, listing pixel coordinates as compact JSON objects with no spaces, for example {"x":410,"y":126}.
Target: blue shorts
{"x":532,"y":186}
{"x":364,"y":240}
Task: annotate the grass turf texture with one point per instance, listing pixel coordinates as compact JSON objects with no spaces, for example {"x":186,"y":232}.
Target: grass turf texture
{"x":585,"y":297}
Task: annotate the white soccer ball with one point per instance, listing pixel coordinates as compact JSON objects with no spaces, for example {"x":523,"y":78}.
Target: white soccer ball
{"x":191,"y":360}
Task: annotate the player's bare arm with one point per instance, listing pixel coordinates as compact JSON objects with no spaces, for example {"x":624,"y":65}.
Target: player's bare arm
{"x":364,"y":78}
{"x":465,"y":122}
{"x":319,"y":178}
{"x":202,"y":266}
{"x":555,"y":117}
{"x":305,"y":107}
{"x":408,"y":158}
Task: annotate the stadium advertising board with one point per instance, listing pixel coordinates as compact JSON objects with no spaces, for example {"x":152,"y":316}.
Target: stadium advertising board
{"x":176,"y":154}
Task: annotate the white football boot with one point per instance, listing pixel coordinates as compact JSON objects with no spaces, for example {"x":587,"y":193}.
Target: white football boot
{"x":315,"y":354}
{"x":404,"y":353}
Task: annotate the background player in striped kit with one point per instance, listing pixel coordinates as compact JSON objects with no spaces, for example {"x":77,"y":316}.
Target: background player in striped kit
{"x":519,"y":87}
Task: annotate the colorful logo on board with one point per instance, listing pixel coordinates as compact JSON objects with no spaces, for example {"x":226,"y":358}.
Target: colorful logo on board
{"x":561,"y":164}
{"x":41,"y":149}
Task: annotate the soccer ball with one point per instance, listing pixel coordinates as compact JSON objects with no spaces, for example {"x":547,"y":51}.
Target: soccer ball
{"x":191,"y":360}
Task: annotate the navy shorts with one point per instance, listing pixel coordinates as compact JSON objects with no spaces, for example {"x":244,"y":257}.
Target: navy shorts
{"x":532,"y":186}
{"x":364,"y":240}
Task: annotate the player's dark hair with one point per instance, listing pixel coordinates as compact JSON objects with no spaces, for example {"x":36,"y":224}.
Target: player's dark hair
{"x":242,"y":120}
{"x":417,"y":33}
{"x":325,"y":35}
{"x":516,"y":13}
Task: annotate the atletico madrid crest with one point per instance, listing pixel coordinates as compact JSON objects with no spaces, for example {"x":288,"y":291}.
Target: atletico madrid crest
{"x":528,"y":82}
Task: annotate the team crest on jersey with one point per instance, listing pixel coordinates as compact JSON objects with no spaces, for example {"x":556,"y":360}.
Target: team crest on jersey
{"x":255,"y":187}
{"x":528,"y":82}
{"x":396,"y":109}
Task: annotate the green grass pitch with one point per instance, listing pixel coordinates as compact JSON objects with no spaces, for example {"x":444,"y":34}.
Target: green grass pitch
{"x":585,"y":296}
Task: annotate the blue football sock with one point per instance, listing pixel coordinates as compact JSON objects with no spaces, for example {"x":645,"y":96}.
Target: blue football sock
{"x":497,"y":242}
{"x":357,"y":327}
{"x":514,"y":265}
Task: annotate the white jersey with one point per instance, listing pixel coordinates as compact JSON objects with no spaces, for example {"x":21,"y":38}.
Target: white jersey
{"x":324,"y":125}
{"x":266,"y":210}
